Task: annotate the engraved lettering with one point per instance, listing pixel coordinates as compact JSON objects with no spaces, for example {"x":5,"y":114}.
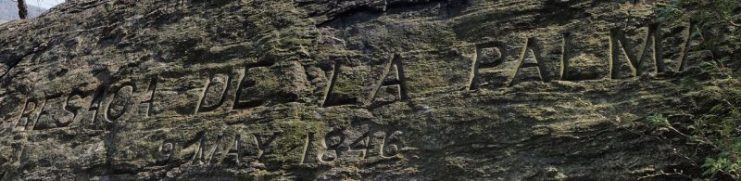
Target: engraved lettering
{"x":333,"y":141}
{"x":400,"y":80}
{"x":565,"y":46}
{"x":477,"y":64}
{"x":618,"y":39}
{"x":202,"y":152}
{"x":531,"y":44}
{"x":391,"y":145}
{"x":31,"y":124}
{"x":119,"y":104}
{"x":26,"y":114}
{"x":225,"y":149}
{"x":165,"y":151}
{"x":363,"y":144}
{"x":329,"y":99}
{"x":685,"y":47}
{"x":148,"y":101}
{"x":18,"y":149}
{"x":379,"y":138}
{"x":219,"y":151}
{"x":51,"y":116}
{"x":73,"y":107}
{"x":307,"y":144}
{"x":656,"y":39}
{"x":205,"y":103}
{"x":199,"y":150}
{"x":339,"y":147}
{"x":95,"y":104}
{"x":264,"y":142}
{"x":232,"y":152}
{"x":330,"y":86}
{"x":246,"y":82}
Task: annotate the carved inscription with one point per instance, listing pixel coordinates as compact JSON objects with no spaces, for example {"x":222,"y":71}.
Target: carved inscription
{"x":104,"y":106}
{"x":112,"y":104}
{"x":334,"y":143}
{"x":214,"y":151}
{"x":399,"y":81}
{"x":95,"y":104}
{"x":165,"y":151}
{"x":120,"y":102}
{"x":618,"y":42}
{"x":73,"y":104}
{"x":565,"y":55}
{"x":53,"y":113}
{"x":235,"y":149}
{"x":199,"y":150}
{"x":346,"y":145}
{"x":330,"y":86}
{"x":29,"y":114}
{"x":330,"y":99}
{"x":18,"y":150}
{"x":391,"y":145}
{"x":214,"y":93}
{"x":224,"y":149}
{"x":263,"y":143}
{"x":531,"y":44}
{"x":232,"y":153}
{"x":146,"y":106}
{"x":241,"y":100}
{"x":495,"y":48}
{"x":685,"y":47}
{"x":653,"y":31}
{"x":306,"y":153}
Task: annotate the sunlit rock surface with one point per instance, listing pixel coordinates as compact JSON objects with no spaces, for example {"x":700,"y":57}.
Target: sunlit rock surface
{"x":354,"y":89}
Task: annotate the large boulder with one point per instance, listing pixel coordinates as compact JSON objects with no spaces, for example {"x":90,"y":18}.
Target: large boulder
{"x":352,"y":89}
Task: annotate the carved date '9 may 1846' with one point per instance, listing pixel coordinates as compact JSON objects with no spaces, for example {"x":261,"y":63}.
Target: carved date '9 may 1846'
{"x":337,"y":146}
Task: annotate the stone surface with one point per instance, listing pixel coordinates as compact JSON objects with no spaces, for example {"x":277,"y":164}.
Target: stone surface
{"x":353,"y":89}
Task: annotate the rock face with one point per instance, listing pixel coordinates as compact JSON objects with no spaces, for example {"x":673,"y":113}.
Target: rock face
{"x":352,"y":89}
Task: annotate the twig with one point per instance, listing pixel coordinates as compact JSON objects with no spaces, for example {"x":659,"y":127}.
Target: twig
{"x":724,"y":17}
{"x":670,"y":127}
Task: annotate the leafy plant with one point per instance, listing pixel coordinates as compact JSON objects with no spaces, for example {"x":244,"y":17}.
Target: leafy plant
{"x":718,"y":129}
{"x":722,"y":128}
{"x":713,"y":21}
{"x":657,"y":120}
{"x":705,"y":12}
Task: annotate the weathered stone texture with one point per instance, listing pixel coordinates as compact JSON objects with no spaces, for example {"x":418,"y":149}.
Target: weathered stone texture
{"x":351,"y":89}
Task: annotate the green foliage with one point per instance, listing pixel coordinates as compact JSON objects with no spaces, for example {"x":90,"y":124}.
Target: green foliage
{"x":727,"y":162}
{"x":718,"y":128}
{"x":721,"y":127}
{"x":669,"y":12}
{"x":705,"y":12}
{"x":657,"y":120}
{"x":709,"y":18}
